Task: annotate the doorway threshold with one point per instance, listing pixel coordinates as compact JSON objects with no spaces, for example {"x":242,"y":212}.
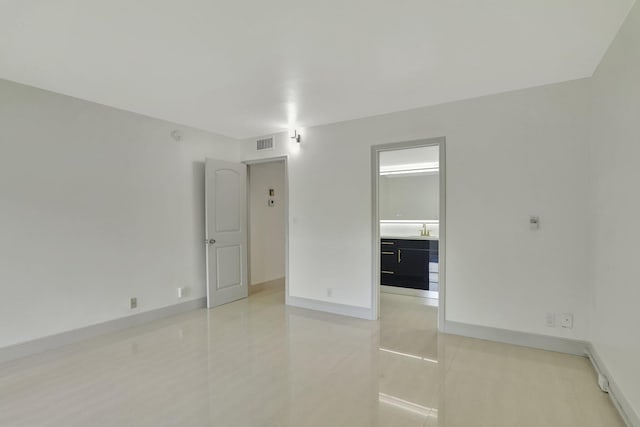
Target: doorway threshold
{"x":409,"y":292}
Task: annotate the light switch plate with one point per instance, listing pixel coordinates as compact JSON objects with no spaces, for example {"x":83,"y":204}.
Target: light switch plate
{"x":550,"y":320}
{"x":534,"y":222}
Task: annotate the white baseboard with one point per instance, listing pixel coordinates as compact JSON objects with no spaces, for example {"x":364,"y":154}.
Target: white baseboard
{"x":65,"y":338}
{"x":628,"y":414}
{"x":544,"y":342}
{"x":329,"y":307}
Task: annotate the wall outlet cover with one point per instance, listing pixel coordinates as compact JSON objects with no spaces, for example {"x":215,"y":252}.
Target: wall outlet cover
{"x":566,"y":320}
{"x":133,"y":303}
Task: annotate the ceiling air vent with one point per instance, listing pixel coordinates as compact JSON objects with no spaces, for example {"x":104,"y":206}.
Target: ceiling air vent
{"x":265,"y":144}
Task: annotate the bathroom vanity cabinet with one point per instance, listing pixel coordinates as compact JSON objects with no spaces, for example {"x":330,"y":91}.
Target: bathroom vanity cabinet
{"x":409,"y":263}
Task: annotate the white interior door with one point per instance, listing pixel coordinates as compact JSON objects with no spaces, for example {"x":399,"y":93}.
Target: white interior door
{"x":226,"y":231}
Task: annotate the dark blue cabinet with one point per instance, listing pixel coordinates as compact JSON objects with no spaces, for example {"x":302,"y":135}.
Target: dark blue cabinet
{"x":409,"y":263}
{"x":388,"y":261}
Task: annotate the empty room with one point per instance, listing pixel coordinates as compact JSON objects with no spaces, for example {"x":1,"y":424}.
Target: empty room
{"x":319,"y":213}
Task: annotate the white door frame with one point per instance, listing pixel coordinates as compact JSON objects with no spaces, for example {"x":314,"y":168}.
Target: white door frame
{"x":440,"y":142}
{"x":285,"y":161}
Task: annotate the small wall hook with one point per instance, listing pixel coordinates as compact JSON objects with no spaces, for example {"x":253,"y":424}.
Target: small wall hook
{"x":176,"y":135}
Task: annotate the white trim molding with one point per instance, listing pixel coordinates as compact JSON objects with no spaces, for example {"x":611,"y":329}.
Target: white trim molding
{"x":628,"y":414}
{"x":330,"y":307}
{"x":52,"y":342}
{"x":285,"y":160}
{"x":439,"y":142}
{"x":525,"y":339}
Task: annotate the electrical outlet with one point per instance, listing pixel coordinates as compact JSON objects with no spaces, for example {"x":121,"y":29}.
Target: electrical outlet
{"x":133,"y":303}
{"x":182,"y":291}
{"x":551,"y":320}
{"x":566,"y":320}
{"x":329,"y":292}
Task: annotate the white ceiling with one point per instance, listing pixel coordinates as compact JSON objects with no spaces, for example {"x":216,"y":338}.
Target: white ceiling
{"x":246,"y":68}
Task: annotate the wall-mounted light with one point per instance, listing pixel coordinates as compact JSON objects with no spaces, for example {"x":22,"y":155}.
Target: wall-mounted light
{"x":293,"y":134}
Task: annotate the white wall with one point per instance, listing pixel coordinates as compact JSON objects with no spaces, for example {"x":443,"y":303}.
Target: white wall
{"x":508,"y":156}
{"x":96,"y":205}
{"x":409,"y":197}
{"x":615,"y":155}
{"x":267,"y":224}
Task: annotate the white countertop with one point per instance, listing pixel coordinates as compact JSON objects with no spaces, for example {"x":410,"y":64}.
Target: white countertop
{"x":410,"y":237}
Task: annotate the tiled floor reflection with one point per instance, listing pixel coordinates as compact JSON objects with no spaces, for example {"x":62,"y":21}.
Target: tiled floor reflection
{"x":257,"y":363}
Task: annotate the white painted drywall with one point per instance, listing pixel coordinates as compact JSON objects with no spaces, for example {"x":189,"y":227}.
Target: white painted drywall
{"x":508,"y":156}
{"x":409,"y":197}
{"x":266,"y":223}
{"x":615,"y":145}
{"x":96,"y":205}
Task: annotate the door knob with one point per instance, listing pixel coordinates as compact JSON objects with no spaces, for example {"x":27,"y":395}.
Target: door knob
{"x":212,"y":241}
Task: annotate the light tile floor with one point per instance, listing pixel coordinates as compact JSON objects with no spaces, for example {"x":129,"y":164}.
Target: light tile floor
{"x":256,"y":362}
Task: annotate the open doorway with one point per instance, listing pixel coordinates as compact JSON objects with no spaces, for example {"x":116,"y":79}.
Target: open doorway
{"x":408,"y":206}
{"x":267,"y":207}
